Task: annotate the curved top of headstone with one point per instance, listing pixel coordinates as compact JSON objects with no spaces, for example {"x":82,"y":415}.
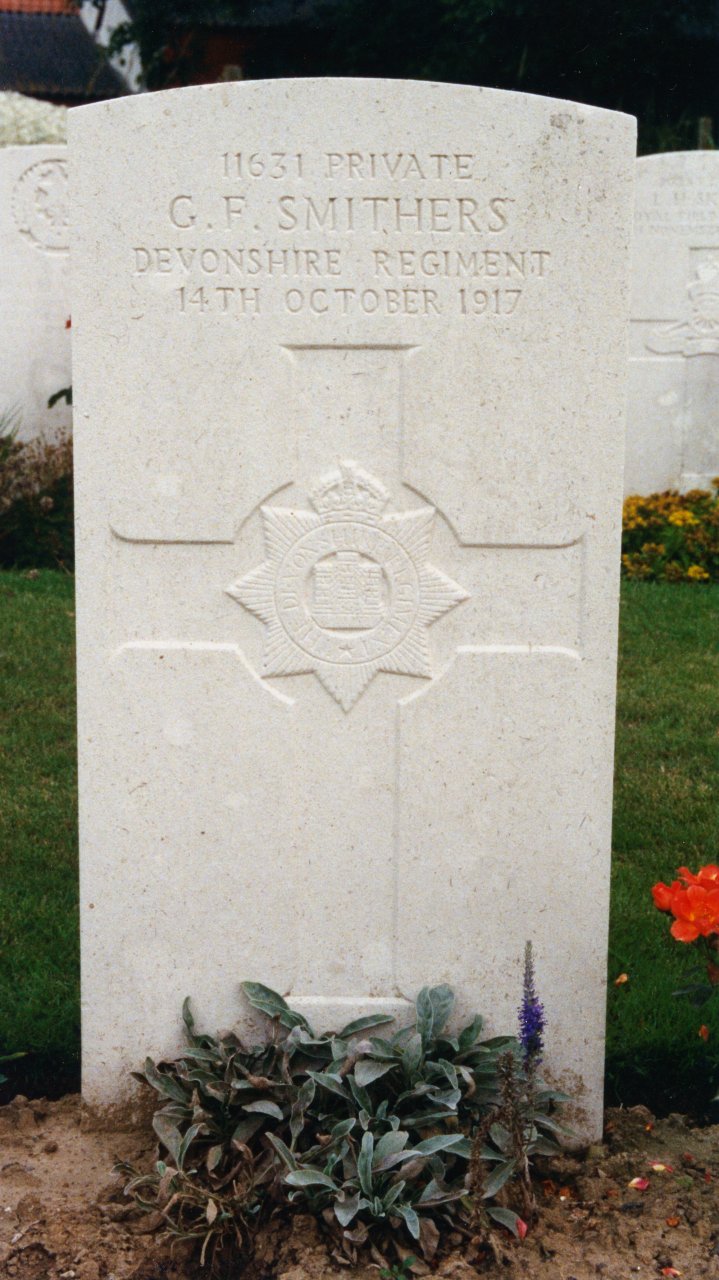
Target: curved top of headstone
{"x":680,"y":158}
{"x":677,"y":193}
{"x":307,"y":87}
{"x":27,"y":121}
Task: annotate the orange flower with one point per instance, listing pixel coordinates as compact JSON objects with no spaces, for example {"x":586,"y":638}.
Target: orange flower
{"x":696,"y":912}
{"x":663,"y":894}
{"x":707,"y":877}
{"x":704,"y":1032}
{"x":693,"y":903}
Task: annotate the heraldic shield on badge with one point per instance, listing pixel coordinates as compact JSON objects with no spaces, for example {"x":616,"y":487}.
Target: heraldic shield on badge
{"x":346,"y":590}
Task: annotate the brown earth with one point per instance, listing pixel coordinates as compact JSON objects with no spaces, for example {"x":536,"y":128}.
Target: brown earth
{"x":63,"y":1215}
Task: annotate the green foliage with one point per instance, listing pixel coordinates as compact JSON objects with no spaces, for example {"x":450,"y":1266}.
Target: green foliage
{"x":39,"y":983}
{"x":36,"y":502}
{"x":653,"y":58}
{"x":372,"y":1133}
{"x":665,"y":815}
{"x":672,"y":537}
{"x":401,"y":1270}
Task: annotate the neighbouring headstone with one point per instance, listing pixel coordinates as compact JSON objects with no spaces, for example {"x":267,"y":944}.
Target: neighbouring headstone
{"x":673,"y":407}
{"x":349,"y":436}
{"x":34,"y":303}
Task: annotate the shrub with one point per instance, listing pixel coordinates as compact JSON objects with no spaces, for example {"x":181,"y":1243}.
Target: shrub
{"x":672,"y":537}
{"x":379,"y":1136}
{"x":36,"y":503}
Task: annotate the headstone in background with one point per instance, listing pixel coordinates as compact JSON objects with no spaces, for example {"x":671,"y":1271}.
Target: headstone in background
{"x":34,"y":303}
{"x":673,"y":407}
{"x":349,"y":436}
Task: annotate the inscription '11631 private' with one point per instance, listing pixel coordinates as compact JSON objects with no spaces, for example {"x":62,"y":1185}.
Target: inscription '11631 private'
{"x":251,"y":244}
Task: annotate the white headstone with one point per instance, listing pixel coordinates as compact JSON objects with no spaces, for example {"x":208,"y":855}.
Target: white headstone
{"x":349,"y":430}
{"x":673,"y":409}
{"x":34,"y":303}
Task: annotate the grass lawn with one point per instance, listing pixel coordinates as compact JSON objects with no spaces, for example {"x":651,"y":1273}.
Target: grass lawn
{"x":39,"y":1010}
{"x":666,"y":814}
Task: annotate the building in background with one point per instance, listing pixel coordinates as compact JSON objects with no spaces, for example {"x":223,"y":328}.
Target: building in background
{"x":47,"y":52}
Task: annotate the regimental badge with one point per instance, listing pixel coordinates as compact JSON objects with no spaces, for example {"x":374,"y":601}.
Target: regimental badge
{"x":41,"y":205}
{"x":346,"y":590}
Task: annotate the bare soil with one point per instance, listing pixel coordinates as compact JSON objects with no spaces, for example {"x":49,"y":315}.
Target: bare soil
{"x":63,"y":1215}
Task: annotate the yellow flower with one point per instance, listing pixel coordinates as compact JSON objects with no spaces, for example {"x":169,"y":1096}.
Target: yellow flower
{"x":697,"y":574}
{"x":682,"y":517}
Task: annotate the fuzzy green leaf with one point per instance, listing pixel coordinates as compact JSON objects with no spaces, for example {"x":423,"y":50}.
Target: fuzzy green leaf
{"x":187,"y":1142}
{"x":309,"y":1178}
{"x":434,"y":1005}
{"x":366,"y":1071}
{"x":274,"y":1005}
{"x":384,"y":1050}
{"x":407,"y":1212}
{"x":168,"y":1133}
{"x":264,"y":1107}
{"x":166,"y":1085}
{"x":283,"y":1151}
{"x":412,"y":1056}
{"x":363,"y":1024}
{"x":388,"y":1145}
{"x":505,"y":1217}
{"x":469,"y":1034}
{"x":347,"y":1207}
{"x":443,"y":1142}
{"x":497,"y":1178}
{"x":364,"y":1163}
{"x":332,"y":1082}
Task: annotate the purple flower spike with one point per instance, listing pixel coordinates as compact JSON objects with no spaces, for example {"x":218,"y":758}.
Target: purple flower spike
{"x":531,"y":1015}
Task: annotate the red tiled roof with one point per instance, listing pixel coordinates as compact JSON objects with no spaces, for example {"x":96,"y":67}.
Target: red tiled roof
{"x":38,"y":6}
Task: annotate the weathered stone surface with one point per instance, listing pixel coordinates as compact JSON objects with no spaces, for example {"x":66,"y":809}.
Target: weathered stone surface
{"x":349,"y":436}
{"x":34,"y":306}
{"x":673,"y":409}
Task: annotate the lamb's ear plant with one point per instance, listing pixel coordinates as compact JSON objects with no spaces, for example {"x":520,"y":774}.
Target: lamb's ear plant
{"x":370,"y":1130}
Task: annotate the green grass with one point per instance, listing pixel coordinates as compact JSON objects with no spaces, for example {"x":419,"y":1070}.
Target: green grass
{"x":666,"y":814}
{"x":39,"y":1004}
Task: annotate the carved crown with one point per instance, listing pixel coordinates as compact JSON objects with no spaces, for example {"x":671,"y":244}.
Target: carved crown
{"x":349,"y":493}
{"x":706,"y":284}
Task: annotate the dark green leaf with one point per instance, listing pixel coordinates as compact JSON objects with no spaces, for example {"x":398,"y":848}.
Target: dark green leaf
{"x":332,"y":1082}
{"x":412,"y":1055}
{"x":187,"y":1142}
{"x":442,"y":1142}
{"x":497,"y":1178}
{"x":247,"y":1129}
{"x":264,"y":1107}
{"x":274,"y":1005}
{"x":469,"y":1034}
{"x":363,"y":1024}
{"x":505,"y":1217}
{"x":283,"y":1151}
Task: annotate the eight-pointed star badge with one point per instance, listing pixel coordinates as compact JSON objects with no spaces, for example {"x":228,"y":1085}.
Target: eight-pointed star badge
{"x":346,"y":591}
